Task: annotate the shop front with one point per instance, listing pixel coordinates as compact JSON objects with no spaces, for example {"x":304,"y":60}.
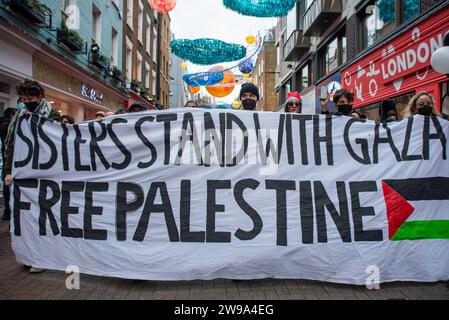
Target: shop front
{"x":74,"y":92}
{"x":401,"y":68}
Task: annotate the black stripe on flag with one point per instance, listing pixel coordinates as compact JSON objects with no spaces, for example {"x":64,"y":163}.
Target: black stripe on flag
{"x":436,"y":188}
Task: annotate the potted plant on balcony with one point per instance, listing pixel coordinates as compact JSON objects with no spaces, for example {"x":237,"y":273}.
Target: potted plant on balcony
{"x":100,"y":61}
{"x":70,"y":38}
{"x":116,"y":74}
{"x":135,"y":85}
{"x":32,"y":10}
{"x":144,"y":92}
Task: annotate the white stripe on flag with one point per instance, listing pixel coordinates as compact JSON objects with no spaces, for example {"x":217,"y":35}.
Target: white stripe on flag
{"x":430,"y":210}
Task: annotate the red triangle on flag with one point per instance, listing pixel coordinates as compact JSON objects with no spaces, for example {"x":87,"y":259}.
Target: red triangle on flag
{"x":398,"y":209}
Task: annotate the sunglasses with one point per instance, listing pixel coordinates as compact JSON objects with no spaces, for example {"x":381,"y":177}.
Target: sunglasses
{"x":291,"y":104}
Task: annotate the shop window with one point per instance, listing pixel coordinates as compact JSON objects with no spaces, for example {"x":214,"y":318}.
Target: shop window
{"x":372,"y":111}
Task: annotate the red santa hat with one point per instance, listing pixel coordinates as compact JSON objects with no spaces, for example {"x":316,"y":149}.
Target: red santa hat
{"x":293,"y":96}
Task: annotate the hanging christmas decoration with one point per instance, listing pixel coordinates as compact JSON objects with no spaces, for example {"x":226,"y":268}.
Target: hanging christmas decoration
{"x":194,"y":90}
{"x":387,"y":10}
{"x":245,"y":76}
{"x":224,"y":87}
{"x":246,"y":66}
{"x":250,"y":39}
{"x":203,"y":78}
{"x":207,"y":51}
{"x":261,"y":8}
{"x":184,"y":65}
{"x":163,"y":6}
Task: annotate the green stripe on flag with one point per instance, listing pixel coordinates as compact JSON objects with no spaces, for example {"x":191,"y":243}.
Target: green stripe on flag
{"x":419,"y":230}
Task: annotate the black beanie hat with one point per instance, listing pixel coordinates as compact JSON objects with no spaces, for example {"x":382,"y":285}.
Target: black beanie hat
{"x":386,"y":105}
{"x":249,"y":88}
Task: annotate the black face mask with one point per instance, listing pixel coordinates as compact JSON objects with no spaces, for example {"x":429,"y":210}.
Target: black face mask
{"x":249,"y":104}
{"x":345,"y":109}
{"x":425,"y":111}
{"x":31,"y":106}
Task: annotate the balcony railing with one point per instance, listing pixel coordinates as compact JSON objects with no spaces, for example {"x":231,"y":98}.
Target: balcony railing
{"x":320,"y":15}
{"x":296,"y":46}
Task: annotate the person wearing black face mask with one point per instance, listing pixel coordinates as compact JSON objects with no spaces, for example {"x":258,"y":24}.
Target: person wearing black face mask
{"x":343,"y":101}
{"x":32,"y":95}
{"x":388,"y":111}
{"x":421,"y":104}
{"x":249,"y":96}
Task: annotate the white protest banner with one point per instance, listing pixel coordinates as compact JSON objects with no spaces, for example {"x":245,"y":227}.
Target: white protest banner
{"x":205,"y":194}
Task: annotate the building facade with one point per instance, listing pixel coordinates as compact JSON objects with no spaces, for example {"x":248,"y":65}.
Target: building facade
{"x":140,"y":51}
{"x":323,"y":45}
{"x":164,"y":60}
{"x":264,"y":75}
{"x":69,"y":46}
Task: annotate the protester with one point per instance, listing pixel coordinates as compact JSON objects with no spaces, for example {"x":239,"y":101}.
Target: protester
{"x":32,"y":95}
{"x":249,"y":96}
{"x":67,"y":119}
{"x":423,"y":104}
{"x":191,"y":104}
{"x":138,"y":107}
{"x":9,"y":114}
{"x":343,"y":100}
{"x":388,"y":111}
{"x":100,"y":115}
{"x":293,"y":104}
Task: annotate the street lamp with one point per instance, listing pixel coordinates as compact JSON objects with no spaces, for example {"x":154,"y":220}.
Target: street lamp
{"x":440,"y":58}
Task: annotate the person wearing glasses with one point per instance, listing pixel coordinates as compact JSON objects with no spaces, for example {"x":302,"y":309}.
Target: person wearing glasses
{"x":293,"y":104}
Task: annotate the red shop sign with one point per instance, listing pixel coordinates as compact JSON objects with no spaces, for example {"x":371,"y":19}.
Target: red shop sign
{"x":400,"y":66}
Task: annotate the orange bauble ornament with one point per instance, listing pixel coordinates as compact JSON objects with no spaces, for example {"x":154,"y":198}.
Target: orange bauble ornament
{"x":250,"y":39}
{"x":163,"y":6}
{"x":194,"y":90}
{"x":224,"y":87}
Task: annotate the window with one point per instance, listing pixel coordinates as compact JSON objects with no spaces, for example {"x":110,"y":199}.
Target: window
{"x":96,"y":25}
{"x":372,"y":111}
{"x":129,"y":59}
{"x":147,"y":75}
{"x":139,"y":67}
{"x":331,"y":59}
{"x":333,"y":54}
{"x":154,"y":44}
{"x":114,"y":47}
{"x":153,"y":87}
{"x":305,"y":78}
{"x":129,"y":13}
{"x":140,"y":23}
{"x":70,"y":14}
{"x":148,"y":36}
{"x":381,"y":17}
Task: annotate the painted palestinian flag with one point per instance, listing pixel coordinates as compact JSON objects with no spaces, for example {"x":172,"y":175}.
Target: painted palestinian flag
{"x":414,"y":208}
